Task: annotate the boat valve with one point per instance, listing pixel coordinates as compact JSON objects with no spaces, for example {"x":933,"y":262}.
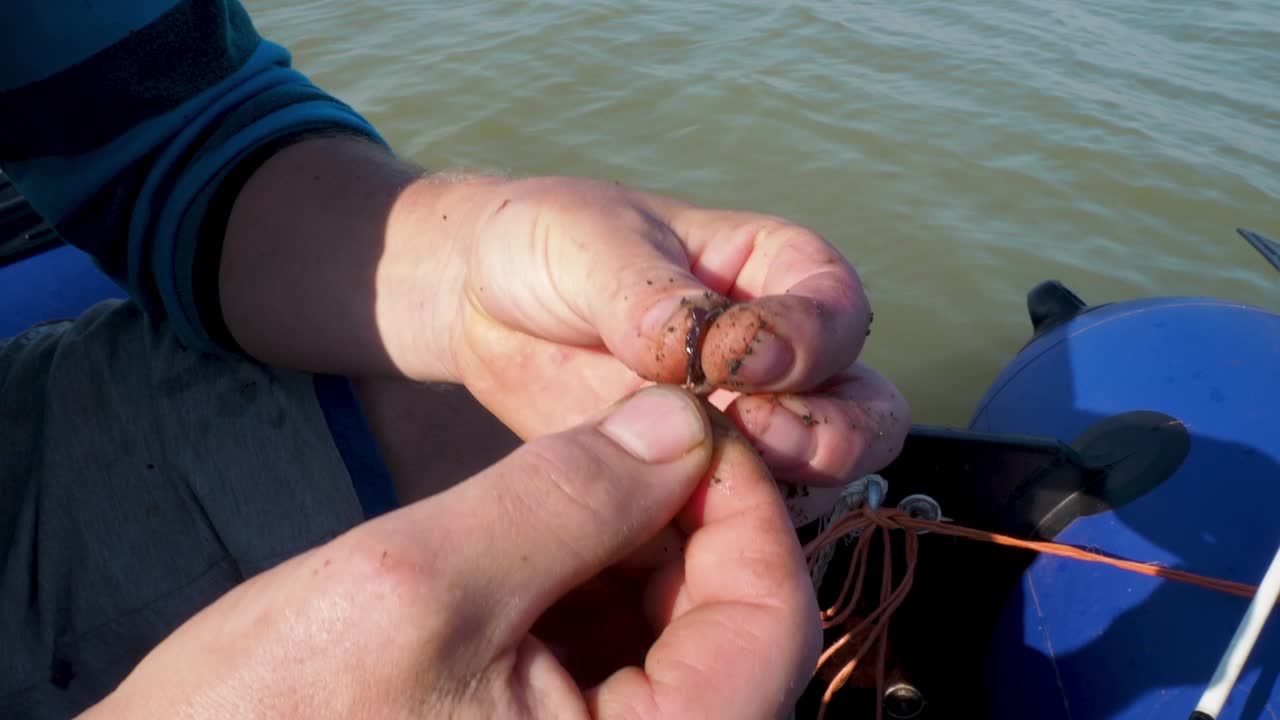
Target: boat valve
{"x":903,"y":700}
{"x":923,"y":507}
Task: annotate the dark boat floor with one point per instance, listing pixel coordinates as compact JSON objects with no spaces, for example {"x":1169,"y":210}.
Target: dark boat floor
{"x":939,"y":639}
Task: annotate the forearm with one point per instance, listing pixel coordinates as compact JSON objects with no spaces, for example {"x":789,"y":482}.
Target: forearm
{"x":339,"y":258}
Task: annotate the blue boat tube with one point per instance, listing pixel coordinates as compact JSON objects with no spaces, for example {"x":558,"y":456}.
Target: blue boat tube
{"x":1079,"y":640}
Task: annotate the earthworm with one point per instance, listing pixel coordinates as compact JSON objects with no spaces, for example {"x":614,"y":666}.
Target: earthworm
{"x":694,"y":378}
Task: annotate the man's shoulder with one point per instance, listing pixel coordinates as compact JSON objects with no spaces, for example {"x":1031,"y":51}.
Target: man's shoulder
{"x":47,"y":37}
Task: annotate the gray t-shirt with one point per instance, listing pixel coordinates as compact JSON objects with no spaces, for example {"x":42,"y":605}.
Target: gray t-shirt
{"x":140,"y":481}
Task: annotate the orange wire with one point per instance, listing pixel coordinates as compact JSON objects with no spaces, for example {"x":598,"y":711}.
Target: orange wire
{"x":876,"y":625}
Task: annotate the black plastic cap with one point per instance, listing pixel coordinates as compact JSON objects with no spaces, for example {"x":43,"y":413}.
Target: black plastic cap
{"x":1050,"y":304}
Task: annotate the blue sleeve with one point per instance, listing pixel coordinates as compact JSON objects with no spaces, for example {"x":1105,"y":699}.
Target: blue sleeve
{"x":124,"y":122}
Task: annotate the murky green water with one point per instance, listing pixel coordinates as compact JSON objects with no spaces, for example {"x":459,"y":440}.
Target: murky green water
{"x":959,"y":152}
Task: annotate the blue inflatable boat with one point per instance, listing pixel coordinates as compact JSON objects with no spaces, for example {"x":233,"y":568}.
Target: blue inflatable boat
{"x":1148,"y":430}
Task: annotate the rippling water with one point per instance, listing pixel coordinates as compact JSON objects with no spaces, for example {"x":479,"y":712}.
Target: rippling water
{"x":958,"y":152}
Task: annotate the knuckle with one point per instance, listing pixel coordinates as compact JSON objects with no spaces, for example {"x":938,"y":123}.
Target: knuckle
{"x":799,"y":244}
{"x":392,"y":584}
{"x":785,"y":232}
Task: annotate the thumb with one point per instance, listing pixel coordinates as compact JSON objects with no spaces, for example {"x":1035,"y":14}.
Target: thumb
{"x":562,"y":508}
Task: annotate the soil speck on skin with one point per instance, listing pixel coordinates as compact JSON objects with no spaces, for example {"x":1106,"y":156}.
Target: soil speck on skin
{"x":807,"y":419}
{"x":671,"y":328}
{"x":716,"y":480}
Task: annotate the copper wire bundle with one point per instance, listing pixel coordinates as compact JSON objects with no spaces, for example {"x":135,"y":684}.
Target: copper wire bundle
{"x":869,"y":634}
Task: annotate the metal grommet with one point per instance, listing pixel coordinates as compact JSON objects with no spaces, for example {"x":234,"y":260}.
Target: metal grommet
{"x":903,"y":701}
{"x":921,"y":506}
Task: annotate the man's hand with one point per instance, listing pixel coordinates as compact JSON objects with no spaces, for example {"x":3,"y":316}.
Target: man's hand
{"x":550,"y":298}
{"x":577,"y":292}
{"x":629,"y":567}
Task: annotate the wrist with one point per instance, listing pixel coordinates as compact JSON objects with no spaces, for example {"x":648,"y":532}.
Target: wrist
{"x":340,"y":258}
{"x":421,"y":281}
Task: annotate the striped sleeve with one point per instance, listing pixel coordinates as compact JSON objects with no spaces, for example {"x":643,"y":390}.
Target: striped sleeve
{"x":129,"y":125}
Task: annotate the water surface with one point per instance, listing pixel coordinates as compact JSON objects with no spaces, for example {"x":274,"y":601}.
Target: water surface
{"x":958,"y":152}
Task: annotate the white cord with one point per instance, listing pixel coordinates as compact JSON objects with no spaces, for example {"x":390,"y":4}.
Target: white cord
{"x":1232,"y":662}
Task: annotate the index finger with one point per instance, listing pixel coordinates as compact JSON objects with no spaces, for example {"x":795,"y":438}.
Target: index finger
{"x":802,"y":314}
{"x":741,"y":631}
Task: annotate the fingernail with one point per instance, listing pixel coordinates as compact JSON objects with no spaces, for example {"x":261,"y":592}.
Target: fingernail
{"x":787,"y":440}
{"x":657,"y":425}
{"x":662,"y":312}
{"x":665,"y":315}
{"x":767,"y":360}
